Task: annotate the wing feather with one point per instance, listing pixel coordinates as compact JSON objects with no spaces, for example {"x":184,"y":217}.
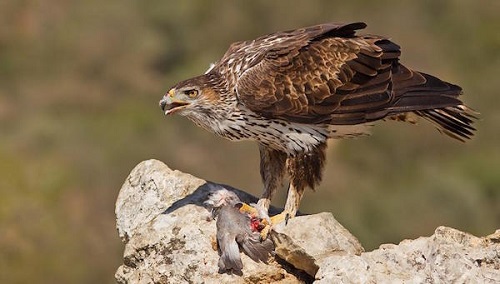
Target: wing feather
{"x":314,"y":74}
{"x":328,"y":74}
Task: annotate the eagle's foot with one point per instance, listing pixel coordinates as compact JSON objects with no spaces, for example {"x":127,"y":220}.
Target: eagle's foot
{"x":252,"y":211}
{"x":275,"y":220}
{"x":264,"y":234}
{"x":279,"y":218}
{"x":260,"y":221}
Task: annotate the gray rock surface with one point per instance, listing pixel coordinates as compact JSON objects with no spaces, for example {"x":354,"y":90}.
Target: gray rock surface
{"x":169,"y":237}
{"x":448,"y":256}
{"x":306,"y":240}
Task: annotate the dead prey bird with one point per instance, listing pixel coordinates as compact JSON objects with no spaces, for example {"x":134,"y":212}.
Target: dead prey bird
{"x":291,"y":91}
{"x":238,"y":227}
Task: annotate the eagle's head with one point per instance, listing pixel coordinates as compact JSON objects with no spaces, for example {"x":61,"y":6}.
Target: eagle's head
{"x":186,"y":97}
{"x":203,"y":99}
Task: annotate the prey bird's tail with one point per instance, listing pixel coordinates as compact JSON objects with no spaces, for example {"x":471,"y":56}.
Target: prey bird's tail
{"x":434,"y":100}
{"x":230,"y":255}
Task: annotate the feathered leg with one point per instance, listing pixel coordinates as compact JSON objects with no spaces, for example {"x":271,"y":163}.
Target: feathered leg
{"x":272,"y":171}
{"x":305,"y":170}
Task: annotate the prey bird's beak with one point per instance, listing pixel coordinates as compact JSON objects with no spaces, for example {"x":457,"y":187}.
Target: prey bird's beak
{"x":170,"y":104}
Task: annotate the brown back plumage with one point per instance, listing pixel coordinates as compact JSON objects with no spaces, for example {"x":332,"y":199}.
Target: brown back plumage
{"x":328,"y":74}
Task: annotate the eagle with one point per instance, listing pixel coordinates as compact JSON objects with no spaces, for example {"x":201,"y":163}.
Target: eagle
{"x":291,"y":91}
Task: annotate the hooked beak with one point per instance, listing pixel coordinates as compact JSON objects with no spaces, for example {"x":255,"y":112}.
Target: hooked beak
{"x":169,"y":104}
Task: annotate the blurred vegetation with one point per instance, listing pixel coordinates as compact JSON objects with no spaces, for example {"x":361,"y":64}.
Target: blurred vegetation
{"x":79,"y":86}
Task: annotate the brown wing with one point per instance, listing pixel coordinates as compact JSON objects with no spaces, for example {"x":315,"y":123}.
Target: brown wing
{"x":327,"y":74}
{"x":242,"y":56}
{"x":322,"y":74}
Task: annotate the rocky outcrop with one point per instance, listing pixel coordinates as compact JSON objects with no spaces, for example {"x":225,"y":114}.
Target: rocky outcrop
{"x":448,"y":256}
{"x":169,"y":237}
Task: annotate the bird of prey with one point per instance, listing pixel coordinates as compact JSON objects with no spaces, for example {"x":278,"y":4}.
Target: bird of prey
{"x":237,"y":226}
{"x":291,"y":91}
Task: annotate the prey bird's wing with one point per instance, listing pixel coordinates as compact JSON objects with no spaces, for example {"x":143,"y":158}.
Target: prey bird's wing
{"x":255,"y":248}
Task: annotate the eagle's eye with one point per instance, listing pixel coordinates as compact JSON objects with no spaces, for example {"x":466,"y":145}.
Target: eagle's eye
{"x":191,"y":93}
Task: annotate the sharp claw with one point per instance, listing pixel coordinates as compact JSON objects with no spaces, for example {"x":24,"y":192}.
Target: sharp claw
{"x":265,"y":233}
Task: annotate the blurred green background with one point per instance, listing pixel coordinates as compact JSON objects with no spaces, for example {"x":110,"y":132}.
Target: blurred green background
{"x":80,"y":83}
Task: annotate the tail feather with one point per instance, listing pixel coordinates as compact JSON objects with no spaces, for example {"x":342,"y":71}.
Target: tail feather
{"x":455,"y":122}
{"x":434,"y":100}
{"x":418,"y":91}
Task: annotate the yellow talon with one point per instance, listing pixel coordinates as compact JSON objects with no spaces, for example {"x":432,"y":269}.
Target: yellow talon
{"x":268,"y":224}
{"x":265,"y":232}
{"x":245,"y":208}
{"x":276,"y":219}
